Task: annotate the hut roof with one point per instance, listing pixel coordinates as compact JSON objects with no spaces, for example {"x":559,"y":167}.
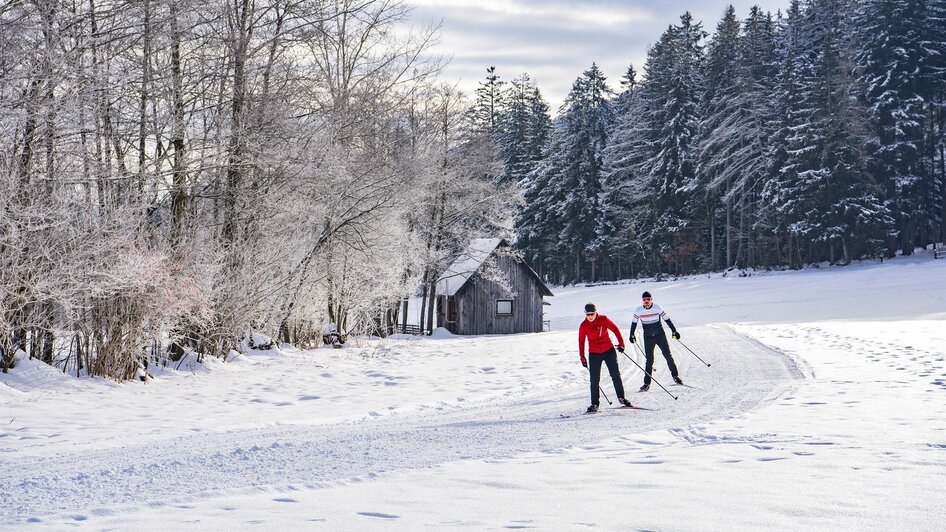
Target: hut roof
{"x":467,"y":263}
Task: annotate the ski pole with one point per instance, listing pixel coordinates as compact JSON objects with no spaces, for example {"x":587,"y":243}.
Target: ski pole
{"x":645,"y":371}
{"x":694,"y":354}
{"x":600,"y":389}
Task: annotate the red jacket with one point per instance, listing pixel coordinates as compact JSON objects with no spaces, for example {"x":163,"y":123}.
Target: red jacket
{"x":596,"y":332}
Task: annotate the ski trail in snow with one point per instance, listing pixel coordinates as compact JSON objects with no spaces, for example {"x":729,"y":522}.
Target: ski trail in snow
{"x":744,"y":375}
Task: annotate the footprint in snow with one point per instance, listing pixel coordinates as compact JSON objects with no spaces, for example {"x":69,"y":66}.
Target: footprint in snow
{"x":379,"y":515}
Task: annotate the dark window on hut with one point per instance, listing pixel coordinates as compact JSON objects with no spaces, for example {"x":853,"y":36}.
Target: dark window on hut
{"x":504,"y":307}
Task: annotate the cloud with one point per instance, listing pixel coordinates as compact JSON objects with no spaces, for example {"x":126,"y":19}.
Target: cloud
{"x":554,"y":40}
{"x":564,"y":14}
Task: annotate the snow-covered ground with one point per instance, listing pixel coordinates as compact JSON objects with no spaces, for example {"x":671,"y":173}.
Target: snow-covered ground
{"x":824,"y":408}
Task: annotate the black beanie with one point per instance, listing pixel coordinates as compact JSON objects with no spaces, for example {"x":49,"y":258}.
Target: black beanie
{"x":590,"y":307}
{"x":646,"y":294}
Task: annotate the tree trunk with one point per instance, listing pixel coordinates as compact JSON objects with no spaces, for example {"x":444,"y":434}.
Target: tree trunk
{"x":239,"y":15}
{"x":178,"y":174}
{"x":729,"y":243}
{"x":431,"y":303}
{"x":714,"y":262}
{"x":908,"y":235}
{"x":740,"y":241}
{"x":942,"y":176}
{"x":577,"y":277}
{"x":750,"y":242}
{"x":423,"y":300}
{"x":145,"y":94}
{"x":404,"y":310}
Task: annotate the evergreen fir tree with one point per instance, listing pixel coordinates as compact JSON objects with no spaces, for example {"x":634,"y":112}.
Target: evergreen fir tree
{"x":488,"y":105}
{"x":789,"y":113}
{"x":565,"y":188}
{"x":934,"y":76}
{"x":537,"y":226}
{"x":616,"y":235}
{"x":661,"y":154}
{"x":723,"y":105}
{"x":892,"y":54}
{"x":829,"y":197}
{"x":524,"y":129}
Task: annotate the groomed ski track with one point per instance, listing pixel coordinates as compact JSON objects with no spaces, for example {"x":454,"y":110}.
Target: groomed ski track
{"x":744,"y":375}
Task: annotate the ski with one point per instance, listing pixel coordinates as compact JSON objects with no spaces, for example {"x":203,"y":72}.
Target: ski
{"x":687,"y":386}
{"x":567,"y":416}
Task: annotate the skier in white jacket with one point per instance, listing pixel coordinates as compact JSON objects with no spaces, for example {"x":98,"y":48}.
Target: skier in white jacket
{"x":650,"y":314}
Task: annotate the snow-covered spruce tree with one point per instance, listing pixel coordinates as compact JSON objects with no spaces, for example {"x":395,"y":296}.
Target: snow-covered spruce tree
{"x":627,"y":173}
{"x":935,"y":83}
{"x":892,"y":60}
{"x":734,"y":133}
{"x":488,"y":105}
{"x":723,"y":101}
{"x":616,"y":233}
{"x":484,"y":116}
{"x":828,"y":198}
{"x":524,"y":128}
{"x":935,"y":86}
{"x":759,"y":75}
{"x":663,"y":151}
{"x":537,"y":226}
{"x":933,"y":76}
{"x":788,"y":112}
{"x":572,"y":175}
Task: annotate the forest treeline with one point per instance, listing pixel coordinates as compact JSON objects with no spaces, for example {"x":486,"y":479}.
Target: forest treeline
{"x":810,"y":135}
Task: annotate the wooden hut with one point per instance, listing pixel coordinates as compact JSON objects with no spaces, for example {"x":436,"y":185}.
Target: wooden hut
{"x":470,"y":301}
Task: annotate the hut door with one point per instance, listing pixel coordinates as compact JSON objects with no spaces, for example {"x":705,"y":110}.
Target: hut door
{"x":452,"y":312}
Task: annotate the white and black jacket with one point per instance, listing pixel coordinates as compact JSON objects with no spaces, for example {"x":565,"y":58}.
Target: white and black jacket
{"x":650,"y":318}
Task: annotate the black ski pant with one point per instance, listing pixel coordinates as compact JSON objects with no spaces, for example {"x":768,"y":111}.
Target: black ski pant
{"x":610,"y":358}
{"x":649,"y":343}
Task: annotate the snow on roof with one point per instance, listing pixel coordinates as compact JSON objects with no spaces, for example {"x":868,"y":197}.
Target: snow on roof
{"x":465,"y":265}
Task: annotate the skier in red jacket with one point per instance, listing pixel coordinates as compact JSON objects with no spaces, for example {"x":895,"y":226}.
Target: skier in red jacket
{"x":600,"y":349}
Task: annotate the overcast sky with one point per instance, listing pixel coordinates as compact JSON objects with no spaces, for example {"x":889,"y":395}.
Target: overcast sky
{"x":556,"y":40}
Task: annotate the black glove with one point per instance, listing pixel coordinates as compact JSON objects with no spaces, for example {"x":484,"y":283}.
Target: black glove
{"x":620,"y":348}
{"x":584,"y":362}
{"x":676,"y":335}
{"x":633,"y":339}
